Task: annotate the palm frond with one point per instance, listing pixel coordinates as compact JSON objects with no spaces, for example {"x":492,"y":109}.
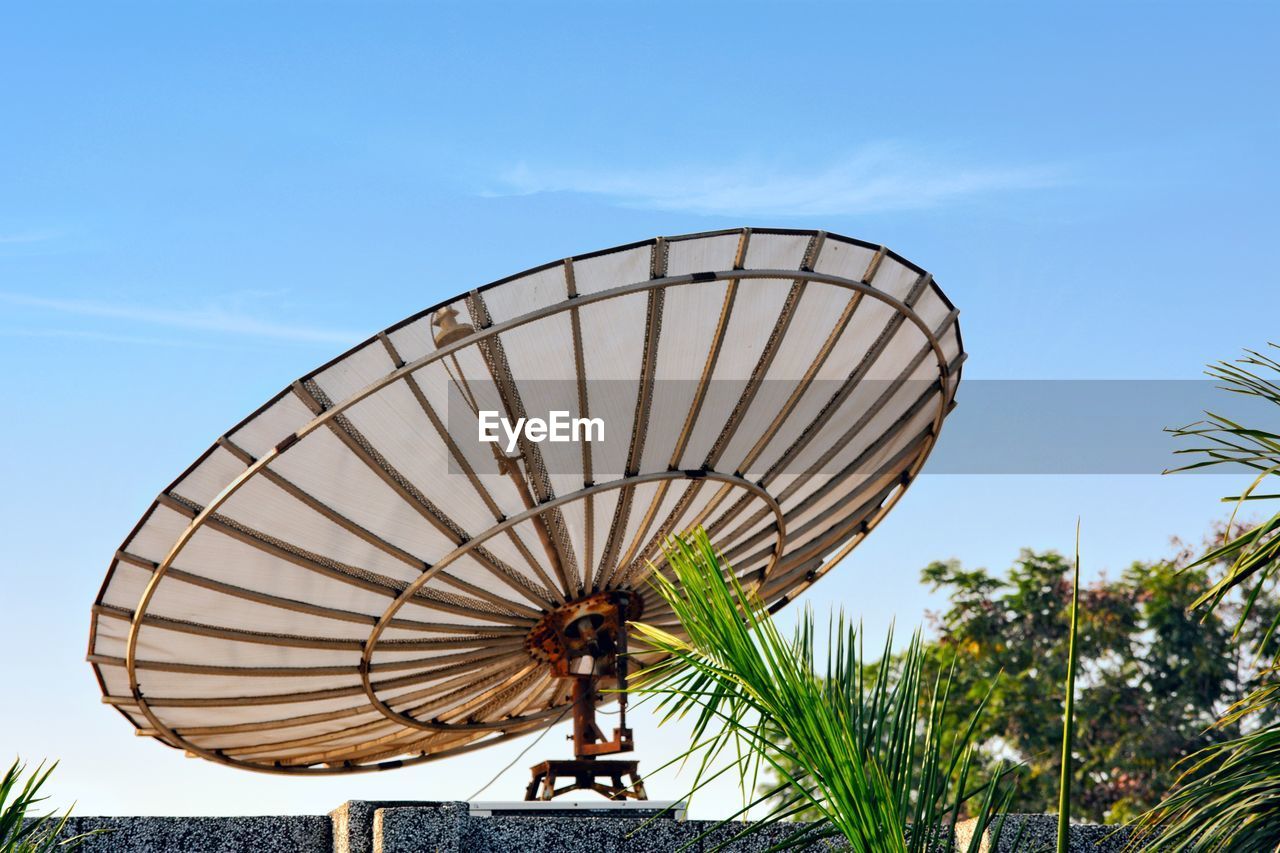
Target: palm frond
{"x":1254,"y":554}
{"x":1228,"y":796}
{"x":22,"y":832}
{"x":1068,"y":711}
{"x":865,"y":752}
{"x":1228,"y":799}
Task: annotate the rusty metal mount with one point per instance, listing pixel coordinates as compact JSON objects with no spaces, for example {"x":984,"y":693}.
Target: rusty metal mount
{"x":596,"y":623}
{"x":586,"y":776}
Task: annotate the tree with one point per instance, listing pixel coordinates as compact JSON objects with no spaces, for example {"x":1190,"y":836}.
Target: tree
{"x":1153,"y":678}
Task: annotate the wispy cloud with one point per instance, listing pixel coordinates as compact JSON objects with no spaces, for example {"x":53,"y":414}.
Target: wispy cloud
{"x":108,"y":337}
{"x":204,"y":319}
{"x":18,"y":237}
{"x":874,"y":179}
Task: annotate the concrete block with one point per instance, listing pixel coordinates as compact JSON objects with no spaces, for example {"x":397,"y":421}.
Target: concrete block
{"x":438,"y":828}
{"x":353,"y":822}
{"x":574,"y":835}
{"x":283,"y":834}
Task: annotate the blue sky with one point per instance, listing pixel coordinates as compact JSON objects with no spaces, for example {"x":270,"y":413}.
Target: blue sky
{"x":200,"y":202}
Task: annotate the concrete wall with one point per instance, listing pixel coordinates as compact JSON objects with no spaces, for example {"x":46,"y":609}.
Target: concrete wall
{"x":417,"y":827}
{"x":301,"y":834}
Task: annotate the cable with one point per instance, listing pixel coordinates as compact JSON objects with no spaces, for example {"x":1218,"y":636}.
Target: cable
{"x":513,"y":761}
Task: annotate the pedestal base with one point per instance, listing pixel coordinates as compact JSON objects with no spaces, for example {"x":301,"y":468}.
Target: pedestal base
{"x":586,"y":774}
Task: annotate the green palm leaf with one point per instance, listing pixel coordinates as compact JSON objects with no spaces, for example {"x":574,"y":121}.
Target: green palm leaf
{"x":21,"y":832}
{"x":864,"y":751}
{"x":1227,"y":799}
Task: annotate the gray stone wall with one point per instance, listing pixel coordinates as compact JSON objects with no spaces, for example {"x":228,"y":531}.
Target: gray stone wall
{"x":415,"y":827}
{"x":299,"y":834}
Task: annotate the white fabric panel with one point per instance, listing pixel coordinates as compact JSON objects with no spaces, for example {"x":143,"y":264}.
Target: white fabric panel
{"x":247,"y":714}
{"x":843,"y":259}
{"x":542,"y":350}
{"x":395,"y":425}
{"x":528,"y":531}
{"x":322,"y":466}
{"x":414,"y":340}
{"x":641,"y":498}
{"x":295,"y":732}
{"x":851,"y":453}
{"x":189,"y":603}
{"x":756,"y":310}
{"x":907,"y":342}
{"x":108,"y":638}
{"x":813,"y":319}
{"x":290,"y":520}
{"x":738,"y":511}
{"x":505,"y":548}
{"x":895,"y":278}
{"x":702,"y":254}
{"x":421,"y":611}
{"x":471,"y":569}
{"x":604,"y":505}
{"x":116,"y":679}
{"x":675,"y":491}
{"x":526,"y":293}
{"x":931,"y":309}
{"x":864,"y":395}
{"x":155,"y":539}
{"x":179,"y":685}
{"x":214,"y":554}
{"x":776,"y":251}
{"x":127,"y":585}
{"x":689,"y":321}
{"x":868,"y":321}
{"x":611,"y":270}
{"x":354,"y":371}
{"x":543,"y":365}
{"x":612,"y":344}
{"x":209,"y":478}
{"x":613,"y":338}
{"x":169,"y":646}
{"x":869,"y":485}
{"x":271,"y":426}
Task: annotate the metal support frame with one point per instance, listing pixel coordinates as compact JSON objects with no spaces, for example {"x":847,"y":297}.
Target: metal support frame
{"x":586,"y":642}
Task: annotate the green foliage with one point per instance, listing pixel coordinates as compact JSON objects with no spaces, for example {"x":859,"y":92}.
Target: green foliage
{"x":1228,"y":798}
{"x":1153,"y":677}
{"x":882,"y":767}
{"x":21,"y":832}
{"x":1253,"y":554}
{"x":1228,"y":801}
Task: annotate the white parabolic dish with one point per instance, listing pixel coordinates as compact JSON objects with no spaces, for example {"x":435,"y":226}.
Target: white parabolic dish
{"x":342,"y":582}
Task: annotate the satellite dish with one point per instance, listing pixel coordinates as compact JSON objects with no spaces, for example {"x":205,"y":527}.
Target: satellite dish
{"x":351,"y":580}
